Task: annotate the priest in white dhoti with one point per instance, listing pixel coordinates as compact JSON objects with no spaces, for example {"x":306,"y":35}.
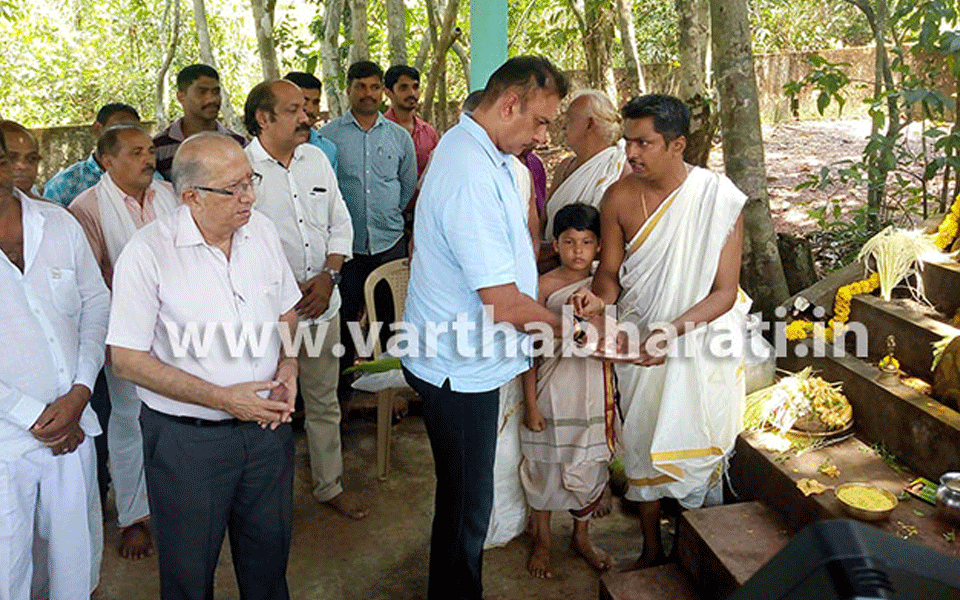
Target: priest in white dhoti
{"x":592,"y":127}
{"x":53,"y":320}
{"x":125,"y":199}
{"x":671,"y":257}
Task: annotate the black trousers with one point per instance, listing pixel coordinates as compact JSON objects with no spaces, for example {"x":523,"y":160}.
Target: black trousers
{"x":463,"y":436}
{"x":353,"y":277}
{"x":204,"y":480}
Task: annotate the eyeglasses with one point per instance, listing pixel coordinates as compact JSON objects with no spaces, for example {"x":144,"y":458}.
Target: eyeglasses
{"x":234,"y":190}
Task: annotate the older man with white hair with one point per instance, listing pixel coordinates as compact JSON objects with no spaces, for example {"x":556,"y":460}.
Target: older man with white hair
{"x":218,"y":449}
{"x":592,"y":128}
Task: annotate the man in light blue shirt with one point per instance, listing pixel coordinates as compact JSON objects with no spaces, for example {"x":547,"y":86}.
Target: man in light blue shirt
{"x":473,"y":253}
{"x":377,"y":174}
{"x":311,"y":87}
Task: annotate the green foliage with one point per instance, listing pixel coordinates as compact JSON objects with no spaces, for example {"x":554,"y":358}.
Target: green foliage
{"x":805,"y":25}
{"x":65,"y":59}
{"x":898,"y":174}
{"x":827,"y":78}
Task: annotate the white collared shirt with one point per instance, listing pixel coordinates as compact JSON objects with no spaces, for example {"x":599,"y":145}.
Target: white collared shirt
{"x":53,"y":320}
{"x":305,"y":204}
{"x":168,"y":279}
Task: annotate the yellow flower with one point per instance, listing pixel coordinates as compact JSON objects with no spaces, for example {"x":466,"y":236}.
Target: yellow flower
{"x":891,"y":361}
{"x":798,"y":330}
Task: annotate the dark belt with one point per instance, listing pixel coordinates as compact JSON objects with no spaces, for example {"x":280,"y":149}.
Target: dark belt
{"x":195,"y":421}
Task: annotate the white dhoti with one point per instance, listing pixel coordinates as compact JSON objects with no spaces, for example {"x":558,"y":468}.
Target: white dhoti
{"x":125,"y":447}
{"x":509,"y":515}
{"x":124,"y":438}
{"x":587,"y":184}
{"x":681,"y":418}
{"x":564,"y":466}
{"x":51,"y":528}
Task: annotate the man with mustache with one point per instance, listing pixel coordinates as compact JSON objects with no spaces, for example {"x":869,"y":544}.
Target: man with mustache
{"x":125,"y":199}
{"x":377,"y":172}
{"x":298,"y":191}
{"x":198,"y":92}
{"x":66,"y":185}
{"x":311,"y":88}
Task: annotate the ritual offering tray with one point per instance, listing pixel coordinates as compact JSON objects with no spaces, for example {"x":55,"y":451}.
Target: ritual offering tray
{"x":800,"y":403}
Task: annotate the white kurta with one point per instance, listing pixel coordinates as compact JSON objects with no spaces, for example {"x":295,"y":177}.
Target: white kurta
{"x":53,"y":319}
{"x":681,"y":418}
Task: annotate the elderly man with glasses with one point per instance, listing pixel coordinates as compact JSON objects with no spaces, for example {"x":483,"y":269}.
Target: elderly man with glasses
{"x":200,"y":297}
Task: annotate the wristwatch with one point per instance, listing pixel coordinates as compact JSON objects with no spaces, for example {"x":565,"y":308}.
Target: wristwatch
{"x":333,"y":273}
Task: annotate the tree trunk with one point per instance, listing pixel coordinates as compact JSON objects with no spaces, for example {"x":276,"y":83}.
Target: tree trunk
{"x":360,"y":48}
{"x":439,"y":54}
{"x":206,"y":55}
{"x":628,"y":39}
{"x":464,"y":60}
{"x":162,"y":95}
{"x":397,"y":31}
{"x":595,"y":19}
{"x":694,"y":78}
{"x":761,"y":272}
{"x":330,"y":55}
{"x":881,"y":161}
{"x":425,"y":42}
{"x":263,"y":11}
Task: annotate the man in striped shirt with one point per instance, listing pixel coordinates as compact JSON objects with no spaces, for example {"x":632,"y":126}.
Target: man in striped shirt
{"x":198,"y":92}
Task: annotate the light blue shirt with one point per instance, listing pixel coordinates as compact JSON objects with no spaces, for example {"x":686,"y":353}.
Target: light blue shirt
{"x":377,"y":173}
{"x":470,"y":233}
{"x":328,"y":147}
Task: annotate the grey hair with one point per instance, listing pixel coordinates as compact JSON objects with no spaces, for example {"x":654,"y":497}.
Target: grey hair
{"x":599,"y":107}
{"x":188,"y":167}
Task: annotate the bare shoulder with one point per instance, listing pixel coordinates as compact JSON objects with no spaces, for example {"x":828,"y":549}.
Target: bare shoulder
{"x":550,"y":282}
{"x":622,"y":194}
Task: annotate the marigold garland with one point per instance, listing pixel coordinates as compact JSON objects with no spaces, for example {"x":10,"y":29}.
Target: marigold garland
{"x":891,"y":361}
{"x":947,"y":231}
{"x":802,"y":329}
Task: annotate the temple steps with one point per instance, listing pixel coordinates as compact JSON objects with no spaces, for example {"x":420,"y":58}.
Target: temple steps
{"x":718,"y":548}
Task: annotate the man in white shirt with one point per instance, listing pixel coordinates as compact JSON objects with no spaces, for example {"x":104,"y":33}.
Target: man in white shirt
{"x":299,"y":192}
{"x":125,"y":199}
{"x":53,"y":319}
{"x":218,"y":449}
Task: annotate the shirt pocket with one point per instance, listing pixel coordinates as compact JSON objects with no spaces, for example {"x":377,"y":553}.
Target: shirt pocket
{"x":269,"y":301}
{"x":386,"y":163}
{"x":318,"y":207}
{"x":63,"y":290}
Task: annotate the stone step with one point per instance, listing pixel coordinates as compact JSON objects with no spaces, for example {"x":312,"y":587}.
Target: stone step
{"x":723,"y":546}
{"x":941,"y":280}
{"x":922,"y":432}
{"x":666,"y":582}
{"x":759,"y":474}
{"x":914,"y":329}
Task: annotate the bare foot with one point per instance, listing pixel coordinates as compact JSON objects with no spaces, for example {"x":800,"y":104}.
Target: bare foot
{"x":136,"y":541}
{"x":348,"y":504}
{"x":539,"y":565}
{"x":400,"y":407}
{"x":595,"y":557}
{"x":606,"y":504}
{"x":645,"y":562}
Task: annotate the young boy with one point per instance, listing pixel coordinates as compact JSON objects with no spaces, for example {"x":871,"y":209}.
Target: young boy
{"x":568,"y":409}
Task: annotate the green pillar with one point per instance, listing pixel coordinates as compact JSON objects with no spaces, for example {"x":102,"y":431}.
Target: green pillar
{"x":488,"y":39}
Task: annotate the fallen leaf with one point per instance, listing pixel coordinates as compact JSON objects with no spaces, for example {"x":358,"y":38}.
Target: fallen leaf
{"x":830,"y":471}
{"x":811,"y":486}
